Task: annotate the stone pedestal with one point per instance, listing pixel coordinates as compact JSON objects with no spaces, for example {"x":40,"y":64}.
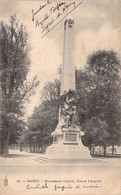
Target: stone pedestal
{"x":67,"y":145}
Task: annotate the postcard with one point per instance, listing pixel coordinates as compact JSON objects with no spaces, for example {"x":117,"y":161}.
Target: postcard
{"x":60,"y":97}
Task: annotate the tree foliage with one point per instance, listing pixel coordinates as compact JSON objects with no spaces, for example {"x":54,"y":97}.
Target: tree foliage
{"x":95,"y":132}
{"x":104,"y":63}
{"x":105,"y":66}
{"x":14,"y":67}
{"x":45,"y":117}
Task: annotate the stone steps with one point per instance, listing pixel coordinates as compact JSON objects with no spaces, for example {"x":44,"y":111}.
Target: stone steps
{"x":66,"y":160}
{"x":40,"y":159}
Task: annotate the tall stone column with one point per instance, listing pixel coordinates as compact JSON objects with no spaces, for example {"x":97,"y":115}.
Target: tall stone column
{"x":67,"y":136}
{"x":68,"y":68}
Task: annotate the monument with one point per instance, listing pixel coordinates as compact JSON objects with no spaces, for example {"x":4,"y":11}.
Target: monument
{"x":67,"y":135}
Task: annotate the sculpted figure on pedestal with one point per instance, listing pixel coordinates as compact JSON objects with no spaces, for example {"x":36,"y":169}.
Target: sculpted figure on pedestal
{"x":68,"y":113}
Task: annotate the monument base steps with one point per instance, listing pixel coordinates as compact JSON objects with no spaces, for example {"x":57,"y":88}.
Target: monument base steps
{"x":67,"y":151}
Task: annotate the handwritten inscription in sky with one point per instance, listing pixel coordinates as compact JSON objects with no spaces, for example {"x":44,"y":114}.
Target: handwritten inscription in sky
{"x":49,"y":14}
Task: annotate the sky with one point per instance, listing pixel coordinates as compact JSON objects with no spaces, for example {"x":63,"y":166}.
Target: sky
{"x":97,"y":25}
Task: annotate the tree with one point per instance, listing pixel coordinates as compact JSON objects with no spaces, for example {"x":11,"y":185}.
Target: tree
{"x":93,"y":126}
{"x":95,"y":133}
{"x":14,"y":67}
{"x":104,"y":63}
{"x":86,"y":85}
{"x":105,"y":66}
{"x":45,"y":117}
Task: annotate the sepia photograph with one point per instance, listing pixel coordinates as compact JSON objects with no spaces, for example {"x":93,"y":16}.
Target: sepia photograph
{"x":60,"y":97}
